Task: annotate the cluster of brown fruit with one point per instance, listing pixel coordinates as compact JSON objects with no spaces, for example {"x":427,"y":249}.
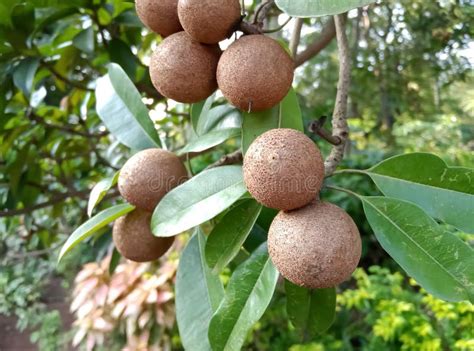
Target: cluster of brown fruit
{"x":313,"y":244}
{"x":255,"y":73}
{"x":144,"y":180}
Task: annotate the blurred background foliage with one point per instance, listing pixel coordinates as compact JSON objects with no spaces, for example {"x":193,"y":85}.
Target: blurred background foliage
{"x":412,"y":90}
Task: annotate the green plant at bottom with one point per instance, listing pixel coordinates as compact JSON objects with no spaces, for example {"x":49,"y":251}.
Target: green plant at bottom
{"x":385,"y":311}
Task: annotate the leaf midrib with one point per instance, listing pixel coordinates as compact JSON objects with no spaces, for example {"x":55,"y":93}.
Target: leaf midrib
{"x":203,"y":268}
{"x":417,"y":245}
{"x":247,"y":300}
{"x":417,"y":183}
{"x":154,"y":142}
{"x":185,"y":209}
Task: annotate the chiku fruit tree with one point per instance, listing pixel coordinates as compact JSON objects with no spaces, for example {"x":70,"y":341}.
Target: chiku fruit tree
{"x":269,"y":208}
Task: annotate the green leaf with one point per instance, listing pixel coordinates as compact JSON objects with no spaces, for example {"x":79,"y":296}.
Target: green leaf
{"x":114,"y":261}
{"x":316,"y":8}
{"x":23,"y":18}
{"x":85,"y":41}
{"x":438,"y":260}
{"x":219,"y":117}
{"x":446,"y":193}
{"x":198,"y":294}
{"x":97,"y":222}
{"x":99,"y":191}
{"x":201,"y":108}
{"x":198,"y":200}
{"x":311,"y":312}
{"x":24,"y":75}
{"x":121,"y":54}
{"x":210,"y":140}
{"x":287,"y":114}
{"x":120,"y":107}
{"x":196,"y":110}
{"x":230,"y":233}
{"x":248,"y":295}
{"x":54,"y":17}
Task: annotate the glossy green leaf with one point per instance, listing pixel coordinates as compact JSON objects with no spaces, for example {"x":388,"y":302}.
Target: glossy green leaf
{"x":24,"y":75}
{"x":198,"y":295}
{"x":230,"y":233}
{"x":198,"y":200}
{"x":311,"y":312}
{"x":446,"y":193}
{"x":438,"y":260}
{"x":201,"y":108}
{"x":209,"y":140}
{"x":316,"y":8}
{"x":99,"y":191}
{"x":248,"y":295}
{"x":219,"y":117}
{"x":120,"y":107}
{"x":90,"y":227}
{"x":287,"y":114}
{"x":85,"y":40}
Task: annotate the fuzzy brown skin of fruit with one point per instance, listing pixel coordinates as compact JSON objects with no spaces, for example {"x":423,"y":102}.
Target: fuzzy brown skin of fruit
{"x":148,"y":175}
{"x":283,"y":169}
{"x":209,"y":21}
{"x":316,"y":247}
{"x":255,"y":73}
{"x":183,"y":69}
{"x":134,"y":240}
{"x":161,"y":16}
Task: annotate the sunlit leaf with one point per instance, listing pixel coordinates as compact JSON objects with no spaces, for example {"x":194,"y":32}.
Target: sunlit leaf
{"x":247,"y":296}
{"x":219,"y":117}
{"x":209,"y":140}
{"x":444,"y":192}
{"x":99,"y":191}
{"x":230,"y":233}
{"x":120,"y":107}
{"x":198,"y":294}
{"x":93,"y":225}
{"x":316,"y":8}
{"x":198,"y":200}
{"x":438,"y":260}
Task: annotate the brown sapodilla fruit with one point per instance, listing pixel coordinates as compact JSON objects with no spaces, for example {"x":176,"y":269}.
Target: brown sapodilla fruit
{"x":183,"y":69}
{"x":161,"y":16}
{"x":134,"y":240}
{"x":209,"y":21}
{"x":317,"y":246}
{"x":148,"y":175}
{"x":255,"y":73}
{"x":283,"y":169}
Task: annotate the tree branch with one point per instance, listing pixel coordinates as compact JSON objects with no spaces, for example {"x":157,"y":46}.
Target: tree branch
{"x":327,"y":35}
{"x":296,"y":36}
{"x":317,"y":127}
{"x":66,"y":80}
{"x":340,"y":128}
{"x":55,"y":200}
{"x":230,"y":159}
{"x":65,"y":128}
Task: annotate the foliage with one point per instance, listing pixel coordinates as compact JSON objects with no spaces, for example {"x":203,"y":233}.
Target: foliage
{"x":383,"y":310}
